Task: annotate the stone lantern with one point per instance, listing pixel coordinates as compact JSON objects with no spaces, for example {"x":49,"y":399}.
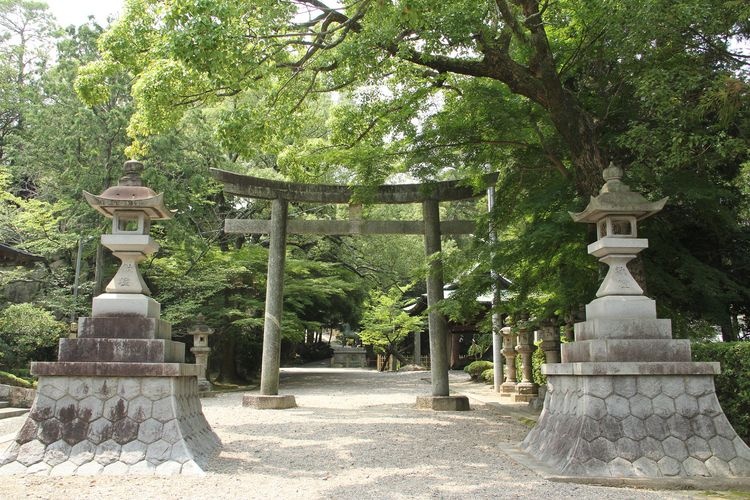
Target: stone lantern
{"x":131,"y":206}
{"x":120,"y":398}
{"x":526,"y":389}
{"x":626,"y":400}
{"x":550,"y":341}
{"x":508,"y":388}
{"x":615,"y":212}
{"x":200,"y":332}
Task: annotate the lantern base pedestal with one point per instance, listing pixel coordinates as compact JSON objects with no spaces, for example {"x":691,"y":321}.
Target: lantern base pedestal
{"x":124,"y":305}
{"x":635,"y":420}
{"x":107,"y":418}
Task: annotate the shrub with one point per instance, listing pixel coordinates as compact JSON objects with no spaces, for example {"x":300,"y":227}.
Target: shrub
{"x":28,"y":333}
{"x":489,"y":375}
{"x":475,"y":368}
{"x":733,"y":384}
{"x":10,"y":379}
{"x":537,"y":360}
{"x":315,"y":352}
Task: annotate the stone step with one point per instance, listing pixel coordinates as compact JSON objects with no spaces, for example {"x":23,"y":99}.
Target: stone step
{"x":4,"y":404}
{"x":12,"y":412}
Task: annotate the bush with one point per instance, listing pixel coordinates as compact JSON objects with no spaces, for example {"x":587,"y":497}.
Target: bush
{"x":10,"y":379}
{"x":28,"y":333}
{"x":537,"y":360}
{"x":733,"y":385}
{"x":489,"y":375}
{"x":475,"y":368}
{"x":315,"y":352}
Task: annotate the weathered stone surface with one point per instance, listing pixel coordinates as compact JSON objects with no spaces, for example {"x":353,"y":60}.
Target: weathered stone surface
{"x":265,"y":402}
{"x":135,"y":327}
{"x":443,"y":403}
{"x":113,"y":426}
{"x":121,"y":350}
{"x":638,"y":429}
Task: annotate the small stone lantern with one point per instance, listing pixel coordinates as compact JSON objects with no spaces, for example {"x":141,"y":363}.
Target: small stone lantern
{"x":615,"y":211}
{"x":200,"y":332}
{"x":131,"y":206}
{"x":508,"y":388}
{"x":526,"y":389}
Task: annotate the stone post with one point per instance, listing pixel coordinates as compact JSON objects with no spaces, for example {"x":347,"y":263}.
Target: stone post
{"x":526,"y":389}
{"x":508,"y":387}
{"x":439,"y":338}
{"x":497,"y":354}
{"x":269,"y":373}
{"x":550,"y":342}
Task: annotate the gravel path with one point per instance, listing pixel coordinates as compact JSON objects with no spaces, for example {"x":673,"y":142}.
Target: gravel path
{"x":354,"y":435}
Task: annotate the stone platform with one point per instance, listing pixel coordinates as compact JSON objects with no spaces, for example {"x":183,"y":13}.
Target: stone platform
{"x":443,"y":403}
{"x":636,"y":420}
{"x":113,"y":425}
{"x":269,"y":402}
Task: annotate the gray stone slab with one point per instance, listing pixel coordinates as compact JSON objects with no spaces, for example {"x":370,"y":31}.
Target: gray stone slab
{"x":443,"y":403}
{"x":633,"y":328}
{"x":132,"y":327}
{"x":632,"y":368}
{"x":121,"y":350}
{"x":103,"y":369}
{"x":269,"y":402}
{"x":631,"y":350}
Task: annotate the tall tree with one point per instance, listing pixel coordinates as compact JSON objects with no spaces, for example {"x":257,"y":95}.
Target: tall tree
{"x":546,"y":92}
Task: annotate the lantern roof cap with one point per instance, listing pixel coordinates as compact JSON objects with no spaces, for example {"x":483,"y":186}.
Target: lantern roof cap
{"x":130,"y":194}
{"x":616,"y":198}
{"x":200,"y":328}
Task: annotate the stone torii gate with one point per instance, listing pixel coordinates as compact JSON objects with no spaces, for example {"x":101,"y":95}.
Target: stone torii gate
{"x":282,"y":193}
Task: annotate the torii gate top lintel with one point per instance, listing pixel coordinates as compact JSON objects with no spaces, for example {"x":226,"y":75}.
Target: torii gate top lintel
{"x":267,"y":189}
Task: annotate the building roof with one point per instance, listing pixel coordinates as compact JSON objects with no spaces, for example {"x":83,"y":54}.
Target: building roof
{"x":10,"y":255}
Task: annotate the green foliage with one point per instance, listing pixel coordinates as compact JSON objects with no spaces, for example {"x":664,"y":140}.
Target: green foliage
{"x":537,"y":360}
{"x":488,"y":376}
{"x":315,"y":352}
{"x":28,"y":333}
{"x":385,"y":323}
{"x":733,"y":384}
{"x":479,"y":345}
{"x":476,"y":368}
{"x":14,"y":380}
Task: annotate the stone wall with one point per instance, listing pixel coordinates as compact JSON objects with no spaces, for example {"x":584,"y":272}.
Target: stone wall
{"x":18,"y":397}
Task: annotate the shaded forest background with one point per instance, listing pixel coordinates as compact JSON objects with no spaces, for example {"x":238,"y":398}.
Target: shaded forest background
{"x":546,"y":94}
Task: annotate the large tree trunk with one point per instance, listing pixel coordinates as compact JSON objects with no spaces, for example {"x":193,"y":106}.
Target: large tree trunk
{"x":228,"y":366}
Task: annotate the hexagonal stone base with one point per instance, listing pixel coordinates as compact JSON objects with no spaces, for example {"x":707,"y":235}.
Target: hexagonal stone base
{"x":443,"y":403}
{"x":113,"y":425}
{"x":615,"y":425}
{"x":269,"y":402}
